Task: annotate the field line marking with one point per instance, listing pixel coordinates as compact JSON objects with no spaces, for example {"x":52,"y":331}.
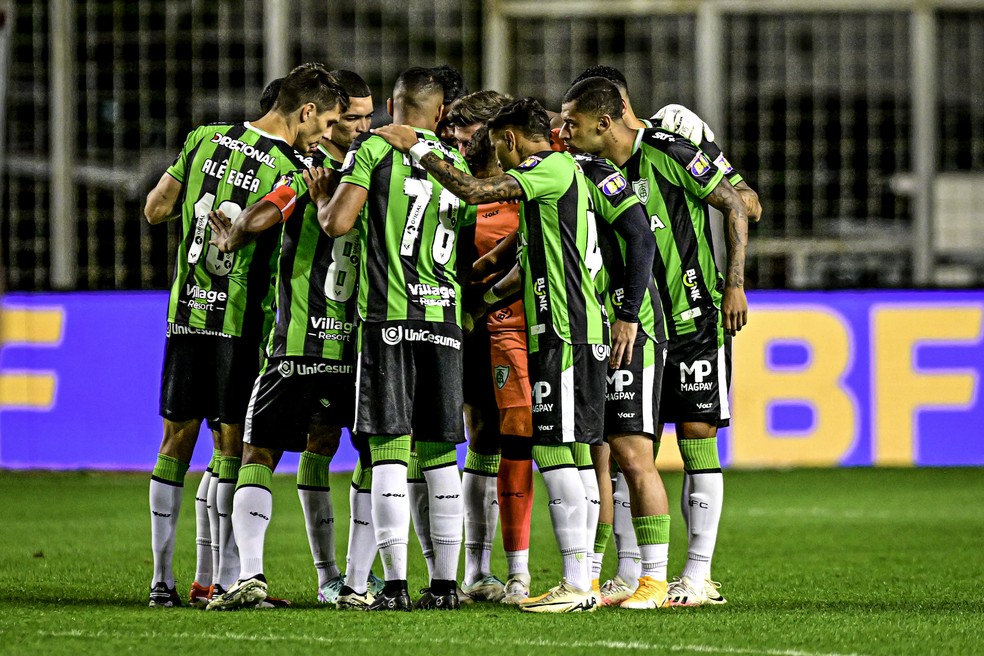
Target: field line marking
{"x":609,"y":644}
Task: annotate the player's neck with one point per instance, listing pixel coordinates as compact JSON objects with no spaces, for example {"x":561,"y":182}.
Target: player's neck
{"x":414,"y":120}
{"x":337,"y":152}
{"x":631,"y":120}
{"x":276,"y":124}
{"x":620,"y":142}
{"x":527,"y":147}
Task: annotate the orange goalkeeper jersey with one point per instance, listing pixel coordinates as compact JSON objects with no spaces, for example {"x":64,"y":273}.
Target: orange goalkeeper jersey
{"x":495,"y":222}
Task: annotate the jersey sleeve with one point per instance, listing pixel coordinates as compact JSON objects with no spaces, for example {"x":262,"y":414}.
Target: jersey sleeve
{"x":690,"y":167}
{"x":537,"y":178}
{"x":179,"y":169}
{"x":610,"y":191}
{"x":362,"y":157}
{"x":714,"y":152}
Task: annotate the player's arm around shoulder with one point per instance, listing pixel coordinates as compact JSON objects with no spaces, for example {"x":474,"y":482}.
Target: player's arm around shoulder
{"x":471,"y":190}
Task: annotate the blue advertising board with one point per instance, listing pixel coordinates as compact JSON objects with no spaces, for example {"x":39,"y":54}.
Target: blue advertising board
{"x":820,"y":379}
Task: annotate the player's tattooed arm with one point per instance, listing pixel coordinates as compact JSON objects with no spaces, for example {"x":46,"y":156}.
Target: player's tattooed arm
{"x":162,"y":201}
{"x":753,"y":208}
{"x":469,"y":189}
{"x":473,"y":191}
{"x":734,"y":305}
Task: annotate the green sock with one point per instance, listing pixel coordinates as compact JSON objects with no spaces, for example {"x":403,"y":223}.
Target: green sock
{"x":602,"y":533}
{"x":390,"y":449}
{"x":312,"y":471}
{"x":436,"y":454}
{"x":256,"y":476}
{"x":553,"y":456}
{"x":652,"y":529}
{"x":699,"y":455}
{"x":481,"y":464}
{"x":170,"y":470}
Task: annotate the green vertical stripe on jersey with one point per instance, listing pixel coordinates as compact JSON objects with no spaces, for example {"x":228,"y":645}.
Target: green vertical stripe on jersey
{"x":226,"y":167}
{"x":609,"y":201}
{"x":408,"y":232}
{"x":316,"y":283}
{"x":558,"y":287}
{"x":672,"y":177}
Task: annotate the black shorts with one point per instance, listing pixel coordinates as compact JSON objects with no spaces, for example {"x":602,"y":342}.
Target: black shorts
{"x":477,"y":385}
{"x":292,"y":393}
{"x":633,"y":392}
{"x":567,"y":383}
{"x":409,"y":380}
{"x":695,"y":386}
{"x":207,"y":376}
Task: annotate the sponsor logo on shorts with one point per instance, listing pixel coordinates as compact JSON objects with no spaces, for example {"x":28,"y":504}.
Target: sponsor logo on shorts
{"x":601,"y":352}
{"x":541,"y":390}
{"x":692,"y":313}
{"x":325,"y":402}
{"x":641,"y":189}
{"x":618,"y":383}
{"x":501,"y":373}
{"x":626,"y":415}
{"x":613,"y":184}
{"x":288,"y":368}
{"x":393,"y":335}
{"x":692,"y":376}
{"x":705,"y":406}
{"x":545,"y":428}
{"x":690,"y":281}
{"x":699,"y":165}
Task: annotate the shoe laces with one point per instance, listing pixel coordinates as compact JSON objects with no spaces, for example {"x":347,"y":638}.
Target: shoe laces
{"x":613,"y":585}
{"x":680,"y":587}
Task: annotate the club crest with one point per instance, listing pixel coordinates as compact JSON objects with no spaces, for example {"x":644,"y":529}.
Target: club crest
{"x":641,"y":189}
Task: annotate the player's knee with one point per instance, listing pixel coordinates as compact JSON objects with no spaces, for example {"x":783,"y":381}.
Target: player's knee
{"x":516,"y":421}
{"x":259,"y":456}
{"x":696,"y":430}
{"x":323,"y":440}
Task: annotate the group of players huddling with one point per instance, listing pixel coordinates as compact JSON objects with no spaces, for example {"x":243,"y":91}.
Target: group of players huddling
{"x":555,"y":289}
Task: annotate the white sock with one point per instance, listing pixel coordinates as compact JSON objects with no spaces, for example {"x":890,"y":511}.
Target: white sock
{"x":203,"y":533}
{"x":447,"y":511}
{"x":213,"y":525}
{"x":229,"y":564}
{"x":706,"y":499}
{"x":518,"y":561}
{"x":362,"y":541}
{"x":654,"y":560}
{"x":391,"y":517}
{"x":165,"y":503}
{"x":252,"y":509}
{"x":597,"y":560}
{"x":420,"y":512}
{"x":685,"y":500}
{"x":591,"y":496}
{"x":319,"y":519}
{"x":481,"y":516}
{"x":629,"y":557}
{"x":568,"y":514}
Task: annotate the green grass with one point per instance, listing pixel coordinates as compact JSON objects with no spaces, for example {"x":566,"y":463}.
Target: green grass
{"x":813,"y":562}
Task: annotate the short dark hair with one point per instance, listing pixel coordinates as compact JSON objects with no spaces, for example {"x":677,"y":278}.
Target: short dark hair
{"x":269,"y":96}
{"x":452,"y":81}
{"x":525,"y":114}
{"x":414,"y":85}
{"x":476,"y":107}
{"x":596,"y":96}
{"x":610,"y":73}
{"x":310,"y":82}
{"x":352,"y":82}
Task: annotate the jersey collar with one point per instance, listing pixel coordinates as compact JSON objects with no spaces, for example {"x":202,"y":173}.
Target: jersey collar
{"x":250,"y":126}
{"x":638,"y":141}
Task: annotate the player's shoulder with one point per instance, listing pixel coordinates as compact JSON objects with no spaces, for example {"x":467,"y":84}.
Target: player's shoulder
{"x":547,"y":158}
{"x":602,"y":173}
{"x":678,"y":149}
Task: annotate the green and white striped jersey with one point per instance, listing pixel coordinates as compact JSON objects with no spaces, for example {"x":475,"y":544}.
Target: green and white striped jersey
{"x":408,"y":232}
{"x":227,"y":167}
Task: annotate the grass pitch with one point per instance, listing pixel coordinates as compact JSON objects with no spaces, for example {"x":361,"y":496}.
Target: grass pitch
{"x":813,"y":562}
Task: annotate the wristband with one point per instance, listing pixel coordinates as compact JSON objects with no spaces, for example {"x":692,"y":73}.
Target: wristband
{"x":418,"y":150}
{"x":491,"y":298}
